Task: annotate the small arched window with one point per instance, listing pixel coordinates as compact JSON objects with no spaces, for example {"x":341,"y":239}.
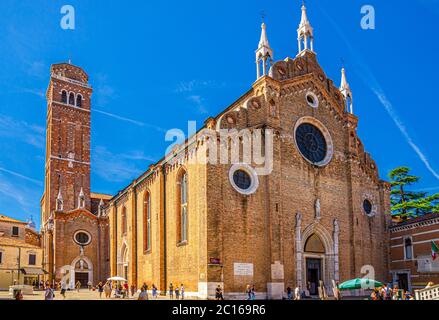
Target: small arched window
{"x":182,"y":216}
{"x":64,"y":97}
{"x":79,"y":101}
{"x":72,"y":99}
{"x":147,"y":222}
{"x":408,"y":249}
{"x":124,"y":221}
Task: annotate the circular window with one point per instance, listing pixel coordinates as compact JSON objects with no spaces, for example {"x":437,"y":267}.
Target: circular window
{"x":312,"y":100}
{"x":82,"y":238}
{"x":244,"y":179}
{"x":367,"y":207}
{"x":313,"y":141}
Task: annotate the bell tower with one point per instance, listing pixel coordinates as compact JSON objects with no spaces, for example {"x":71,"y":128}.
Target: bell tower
{"x":67,"y":169}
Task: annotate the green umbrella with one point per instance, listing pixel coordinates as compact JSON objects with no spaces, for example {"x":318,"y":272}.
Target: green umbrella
{"x":358,"y":283}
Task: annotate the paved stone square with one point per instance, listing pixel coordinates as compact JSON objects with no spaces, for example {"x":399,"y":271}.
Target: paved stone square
{"x":83,"y":294}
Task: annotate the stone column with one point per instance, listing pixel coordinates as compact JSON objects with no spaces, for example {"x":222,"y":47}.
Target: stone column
{"x":336,"y":250}
{"x":299,"y":252}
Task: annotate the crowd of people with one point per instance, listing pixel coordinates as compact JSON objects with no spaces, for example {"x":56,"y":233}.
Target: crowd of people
{"x":123,"y":290}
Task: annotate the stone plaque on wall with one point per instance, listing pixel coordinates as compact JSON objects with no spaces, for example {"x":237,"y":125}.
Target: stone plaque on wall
{"x":243,"y":269}
{"x":277,"y":271}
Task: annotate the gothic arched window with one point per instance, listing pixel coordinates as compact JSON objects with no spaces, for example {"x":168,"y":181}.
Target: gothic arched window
{"x":64,"y":97}
{"x":124,"y":221}
{"x":72,"y":99}
{"x":79,"y":101}
{"x":147,"y":222}
{"x":408,"y":249}
{"x":182,"y":216}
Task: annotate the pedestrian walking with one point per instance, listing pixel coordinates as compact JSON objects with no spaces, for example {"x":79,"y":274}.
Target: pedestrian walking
{"x":219,"y":293}
{"x":322,"y":291}
{"x":100,"y":289}
{"x":133,"y":290}
{"x":143,"y":294}
{"x":18,"y":295}
{"x":253,"y":293}
{"x":49,"y":294}
{"x":182,"y":291}
{"x":297,"y":293}
{"x":248,"y":292}
{"x":107,"y":290}
{"x":125,"y":290}
{"x":154,"y":291}
{"x":171,"y":291}
{"x":89,"y":285}
{"x":177,"y":293}
{"x":63,"y":289}
{"x":289,"y":293}
{"x":78,"y":285}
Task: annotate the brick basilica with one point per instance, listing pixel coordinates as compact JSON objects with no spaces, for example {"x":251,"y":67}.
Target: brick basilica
{"x":318,"y":215}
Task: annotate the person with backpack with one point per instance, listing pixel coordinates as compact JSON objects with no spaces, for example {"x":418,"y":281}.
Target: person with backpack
{"x":49,"y":294}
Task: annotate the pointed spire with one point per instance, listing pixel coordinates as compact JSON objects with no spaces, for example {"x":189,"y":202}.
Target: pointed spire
{"x":264,"y":53}
{"x":305,"y":33}
{"x":345,"y":90}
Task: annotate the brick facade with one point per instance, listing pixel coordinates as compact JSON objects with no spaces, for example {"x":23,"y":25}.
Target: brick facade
{"x":67,"y":206}
{"x":411,"y":263}
{"x":235,"y":239}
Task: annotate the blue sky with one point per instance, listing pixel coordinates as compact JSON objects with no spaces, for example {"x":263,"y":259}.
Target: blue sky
{"x":154,"y":65}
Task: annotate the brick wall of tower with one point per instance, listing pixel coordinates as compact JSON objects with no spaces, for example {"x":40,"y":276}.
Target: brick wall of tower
{"x":68,"y":171}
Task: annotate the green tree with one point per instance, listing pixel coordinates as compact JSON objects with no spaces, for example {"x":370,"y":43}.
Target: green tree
{"x":408,"y":204}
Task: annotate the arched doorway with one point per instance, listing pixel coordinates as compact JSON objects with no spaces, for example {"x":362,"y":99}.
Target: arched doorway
{"x":314,"y":256}
{"x":83,"y":270}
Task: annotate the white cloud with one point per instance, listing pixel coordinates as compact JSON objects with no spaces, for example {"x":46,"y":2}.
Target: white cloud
{"x":22,"y":131}
{"x":18,"y":175}
{"x":369,"y":78}
{"x":118,"y":167}
{"x":27,"y":198}
{"x":402,"y":128}
{"x":199,"y":102}
{"x":132,"y":121}
{"x":192,"y":85}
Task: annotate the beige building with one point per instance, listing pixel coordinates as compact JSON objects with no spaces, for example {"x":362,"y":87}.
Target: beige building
{"x":20,"y":253}
{"x":306,"y":205}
